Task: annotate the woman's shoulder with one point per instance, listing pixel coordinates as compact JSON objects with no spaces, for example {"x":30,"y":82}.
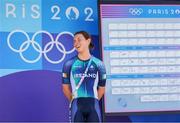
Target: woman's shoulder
{"x":97,"y":60}
{"x":70,"y":61}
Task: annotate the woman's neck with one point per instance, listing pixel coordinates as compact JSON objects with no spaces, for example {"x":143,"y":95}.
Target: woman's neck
{"x":84,"y":55}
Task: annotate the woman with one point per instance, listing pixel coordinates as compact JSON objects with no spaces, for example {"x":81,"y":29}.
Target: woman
{"x":84,"y":78}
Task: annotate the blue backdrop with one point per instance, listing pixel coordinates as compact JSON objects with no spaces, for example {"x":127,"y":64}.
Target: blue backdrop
{"x":36,"y":37}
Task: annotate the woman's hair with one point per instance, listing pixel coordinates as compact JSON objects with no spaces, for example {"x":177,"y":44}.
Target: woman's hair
{"x":86,"y":36}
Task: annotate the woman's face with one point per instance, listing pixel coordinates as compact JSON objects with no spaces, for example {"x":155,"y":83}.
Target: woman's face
{"x":80,"y":43}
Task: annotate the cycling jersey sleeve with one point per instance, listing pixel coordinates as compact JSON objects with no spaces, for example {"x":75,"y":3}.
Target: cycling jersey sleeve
{"x":66,"y":73}
{"x":102,"y":74}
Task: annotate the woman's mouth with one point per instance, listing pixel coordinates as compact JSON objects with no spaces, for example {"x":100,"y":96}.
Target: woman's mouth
{"x":77,"y":47}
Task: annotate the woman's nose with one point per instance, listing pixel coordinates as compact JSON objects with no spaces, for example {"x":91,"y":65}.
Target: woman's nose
{"x":75,"y":43}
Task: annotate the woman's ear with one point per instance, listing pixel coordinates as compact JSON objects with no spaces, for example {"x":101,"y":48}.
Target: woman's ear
{"x":89,"y":41}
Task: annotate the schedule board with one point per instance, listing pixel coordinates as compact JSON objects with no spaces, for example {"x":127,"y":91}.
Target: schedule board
{"x":141,"y":52}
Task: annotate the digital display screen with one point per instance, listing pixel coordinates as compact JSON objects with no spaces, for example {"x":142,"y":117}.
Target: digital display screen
{"x":141,"y":52}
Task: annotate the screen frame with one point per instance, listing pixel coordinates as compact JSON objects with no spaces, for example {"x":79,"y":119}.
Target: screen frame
{"x":130,"y":2}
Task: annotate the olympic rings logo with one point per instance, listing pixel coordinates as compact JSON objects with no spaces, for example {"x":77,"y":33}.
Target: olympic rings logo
{"x":136,"y":11}
{"x":47,"y":48}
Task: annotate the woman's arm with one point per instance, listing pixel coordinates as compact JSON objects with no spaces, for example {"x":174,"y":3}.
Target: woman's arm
{"x":67,"y":91}
{"x":101,"y":91}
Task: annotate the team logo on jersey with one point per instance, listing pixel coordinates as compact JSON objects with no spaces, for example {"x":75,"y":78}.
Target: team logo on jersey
{"x":91,"y":67}
{"x":78,"y":66}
